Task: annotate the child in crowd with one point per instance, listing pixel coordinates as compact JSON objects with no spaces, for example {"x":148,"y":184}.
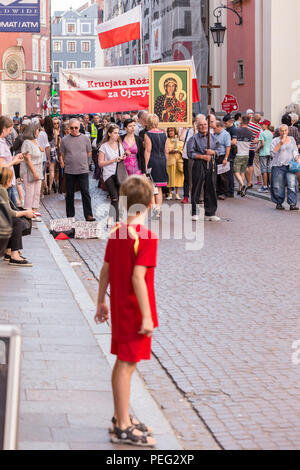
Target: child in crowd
{"x":128,"y":267}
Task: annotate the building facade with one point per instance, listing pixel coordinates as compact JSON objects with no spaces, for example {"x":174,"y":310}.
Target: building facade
{"x":25,"y":67}
{"x":75,"y":42}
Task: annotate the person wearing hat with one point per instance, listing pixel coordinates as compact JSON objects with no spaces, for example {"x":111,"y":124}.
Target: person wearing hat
{"x":265,"y":158}
{"x":55,"y":112}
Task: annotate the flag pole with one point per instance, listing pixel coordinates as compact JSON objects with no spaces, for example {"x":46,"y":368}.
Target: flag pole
{"x":141,"y":40}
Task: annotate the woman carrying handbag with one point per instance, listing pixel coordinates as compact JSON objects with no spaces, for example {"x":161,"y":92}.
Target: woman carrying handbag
{"x":110,"y":154}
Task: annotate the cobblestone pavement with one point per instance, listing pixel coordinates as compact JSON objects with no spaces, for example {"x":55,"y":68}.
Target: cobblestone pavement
{"x":229,"y":315}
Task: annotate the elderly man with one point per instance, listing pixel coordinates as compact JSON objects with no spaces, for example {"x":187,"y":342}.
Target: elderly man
{"x":75,"y":151}
{"x":204,"y":172}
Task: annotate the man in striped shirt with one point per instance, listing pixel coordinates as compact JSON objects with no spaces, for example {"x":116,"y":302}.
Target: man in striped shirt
{"x":255,"y":128}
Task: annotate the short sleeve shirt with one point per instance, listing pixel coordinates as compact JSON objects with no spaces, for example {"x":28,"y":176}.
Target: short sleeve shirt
{"x":130,"y":246}
{"x":110,"y":154}
{"x":43,"y":142}
{"x":36,"y":158}
{"x":6,"y":154}
{"x":267,"y":137}
{"x":76,"y":150}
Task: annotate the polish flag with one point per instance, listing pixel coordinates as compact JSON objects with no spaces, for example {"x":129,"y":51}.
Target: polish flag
{"x":123,"y":28}
{"x":196,"y":96}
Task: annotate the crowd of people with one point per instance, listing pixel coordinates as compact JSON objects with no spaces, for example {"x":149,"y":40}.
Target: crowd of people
{"x":198,"y":165}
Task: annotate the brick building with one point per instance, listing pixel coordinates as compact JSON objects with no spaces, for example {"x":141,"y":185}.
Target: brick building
{"x":25,"y":66}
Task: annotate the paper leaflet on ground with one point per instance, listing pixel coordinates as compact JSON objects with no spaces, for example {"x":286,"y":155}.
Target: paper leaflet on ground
{"x":110,"y":89}
{"x":223,"y":169}
{"x":83,"y":230}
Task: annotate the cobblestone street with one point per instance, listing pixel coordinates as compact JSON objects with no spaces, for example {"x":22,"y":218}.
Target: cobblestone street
{"x":228,"y":318}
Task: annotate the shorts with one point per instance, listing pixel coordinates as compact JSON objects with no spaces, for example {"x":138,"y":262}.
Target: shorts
{"x":265,"y":164}
{"x":251,"y":158}
{"x":240,"y":164}
{"x":134,"y":351}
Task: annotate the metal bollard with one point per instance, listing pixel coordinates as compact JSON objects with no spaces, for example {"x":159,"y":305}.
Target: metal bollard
{"x":10,"y":367}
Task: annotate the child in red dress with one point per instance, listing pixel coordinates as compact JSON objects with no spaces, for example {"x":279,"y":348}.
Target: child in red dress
{"x":128,"y":267}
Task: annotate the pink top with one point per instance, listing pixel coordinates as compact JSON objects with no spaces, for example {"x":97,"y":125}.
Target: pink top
{"x":131,"y":161}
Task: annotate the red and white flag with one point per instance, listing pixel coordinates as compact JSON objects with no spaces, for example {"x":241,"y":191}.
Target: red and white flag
{"x":123,"y":28}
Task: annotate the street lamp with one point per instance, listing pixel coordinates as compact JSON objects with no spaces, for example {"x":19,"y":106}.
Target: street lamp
{"x":218,"y":30}
{"x":38,"y":92}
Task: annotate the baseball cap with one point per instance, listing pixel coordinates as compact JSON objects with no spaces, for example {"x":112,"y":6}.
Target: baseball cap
{"x":265,"y":123}
{"x":227,"y":118}
{"x":249,"y":111}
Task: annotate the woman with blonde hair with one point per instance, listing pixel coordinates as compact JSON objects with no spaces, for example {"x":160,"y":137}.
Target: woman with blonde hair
{"x":13,"y":256}
{"x":175,"y":163}
{"x":156,"y":155}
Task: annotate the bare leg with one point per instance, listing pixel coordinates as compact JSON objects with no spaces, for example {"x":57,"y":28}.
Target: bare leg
{"x":121,"y":380}
{"x":51,"y":175}
{"x":159,"y":199}
{"x":249,"y":175}
{"x":240,"y":179}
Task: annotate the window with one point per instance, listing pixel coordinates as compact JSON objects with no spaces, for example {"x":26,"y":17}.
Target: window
{"x":71,"y":65}
{"x":241,"y":72}
{"x":85,"y":46}
{"x":43,"y":56}
{"x":35,"y":54}
{"x":57,"y":46}
{"x":57,"y":66}
{"x":71,"y":28}
{"x":43,"y":8}
{"x":86,"y":64}
{"x":85,"y":28}
{"x":71,"y":46}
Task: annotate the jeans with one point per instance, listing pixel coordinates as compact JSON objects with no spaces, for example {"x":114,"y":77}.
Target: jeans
{"x":113,"y":191}
{"x":83,"y":181}
{"x":280,"y":178}
{"x":12,"y":195}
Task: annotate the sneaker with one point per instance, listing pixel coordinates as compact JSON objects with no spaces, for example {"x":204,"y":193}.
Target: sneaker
{"x":212,"y":218}
{"x":177,"y":197}
{"x":38,"y":214}
{"x":22,"y":264}
{"x":195,"y":218}
{"x":169,"y":197}
{"x":264,"y":189}
{"x":280,"y":207}
{"x":185,"y":200}
{"x":294,"y":208}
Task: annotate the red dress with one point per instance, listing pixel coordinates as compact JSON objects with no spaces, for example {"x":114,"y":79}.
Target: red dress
{"x":130,"y":246}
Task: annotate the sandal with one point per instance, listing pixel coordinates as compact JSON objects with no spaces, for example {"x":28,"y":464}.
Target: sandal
{"x":139,"y":426}
{"x":126,"y":436}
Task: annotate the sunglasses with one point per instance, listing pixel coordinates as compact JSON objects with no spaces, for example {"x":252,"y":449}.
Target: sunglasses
{"x":74,"y":128}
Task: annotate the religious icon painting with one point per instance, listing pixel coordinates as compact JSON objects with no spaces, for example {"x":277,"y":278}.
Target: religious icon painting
{"x":171,"y":95}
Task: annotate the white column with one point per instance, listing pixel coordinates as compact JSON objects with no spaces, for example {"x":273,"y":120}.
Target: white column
{"x":218,"y":60}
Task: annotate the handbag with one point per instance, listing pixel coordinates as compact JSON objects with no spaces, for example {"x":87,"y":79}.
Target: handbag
{"x":121,"y":172}
{"x":294,"y":167}
{"x":5,"y":227}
